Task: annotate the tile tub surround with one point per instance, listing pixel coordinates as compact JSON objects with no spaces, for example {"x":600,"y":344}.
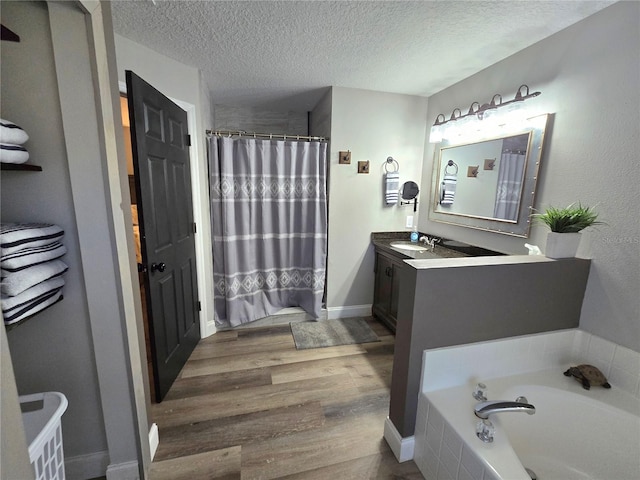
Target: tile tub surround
{"x":451,"y":366}
{"x":439,"y":450}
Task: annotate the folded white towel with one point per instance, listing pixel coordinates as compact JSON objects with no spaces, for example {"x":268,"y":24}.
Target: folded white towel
{"x":18,"y":236}
{"x":448,"y":189}
{"x":12,"y":133}
{"x":12,"y":304}
{"x":34,"y":307}
{"x":17,"y":282}
{"x":28,"y":257}
{"x":10,"y":153}
{"x":392,"y":186}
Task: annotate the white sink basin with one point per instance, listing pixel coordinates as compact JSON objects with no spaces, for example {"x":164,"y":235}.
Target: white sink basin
{"x":408,"y":246}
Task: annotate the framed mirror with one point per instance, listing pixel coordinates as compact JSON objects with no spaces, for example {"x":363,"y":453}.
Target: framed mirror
{"x":489,"y":183}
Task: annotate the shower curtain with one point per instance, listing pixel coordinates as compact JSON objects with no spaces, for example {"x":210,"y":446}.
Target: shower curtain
{"x":269,"y":222}
{"x":509,"y":185}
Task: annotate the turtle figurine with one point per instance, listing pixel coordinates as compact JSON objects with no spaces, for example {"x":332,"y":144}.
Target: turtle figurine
{"x":588,"y":375}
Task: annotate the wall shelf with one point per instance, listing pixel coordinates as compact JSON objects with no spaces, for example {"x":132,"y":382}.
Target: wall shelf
{"x":21,"y":167}
{"x":8,"y":35}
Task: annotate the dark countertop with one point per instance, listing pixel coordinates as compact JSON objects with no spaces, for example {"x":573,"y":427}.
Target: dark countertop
{"x":444,"y":249}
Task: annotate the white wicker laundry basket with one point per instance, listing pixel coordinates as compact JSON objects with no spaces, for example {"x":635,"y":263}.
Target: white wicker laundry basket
{"x":42,"y":415}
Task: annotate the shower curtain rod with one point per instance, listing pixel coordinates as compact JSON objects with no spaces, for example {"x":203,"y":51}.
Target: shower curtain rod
{"x":270,"y":136}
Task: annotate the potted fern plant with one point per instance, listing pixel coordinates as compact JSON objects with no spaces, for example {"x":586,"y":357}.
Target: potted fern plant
{"x":565,"y":225}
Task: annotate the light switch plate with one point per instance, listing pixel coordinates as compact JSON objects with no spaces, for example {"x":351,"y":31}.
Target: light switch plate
{"x":409,"y":223}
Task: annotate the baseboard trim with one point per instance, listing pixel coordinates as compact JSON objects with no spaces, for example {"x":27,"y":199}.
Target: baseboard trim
{"x":402,"y":448}
{"x":154,"y":440}
{"x":123,"y":471}
{"x":348,"y":311}
{"x":91,"y":465}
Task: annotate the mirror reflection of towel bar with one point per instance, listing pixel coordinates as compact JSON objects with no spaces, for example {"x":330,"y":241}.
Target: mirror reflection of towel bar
{"x":451,"y":163}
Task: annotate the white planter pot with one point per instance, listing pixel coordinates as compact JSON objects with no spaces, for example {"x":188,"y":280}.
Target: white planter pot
{"x":562,"y":245}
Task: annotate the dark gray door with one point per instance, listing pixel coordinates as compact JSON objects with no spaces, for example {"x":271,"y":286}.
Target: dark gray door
{"x":160,"y":142}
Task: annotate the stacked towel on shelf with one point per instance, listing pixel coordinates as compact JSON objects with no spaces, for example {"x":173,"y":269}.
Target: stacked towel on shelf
{"x":31,"y":268}
{"x":12,"y":138}
{"x":448,"y":189}
{"x":392,"y":184}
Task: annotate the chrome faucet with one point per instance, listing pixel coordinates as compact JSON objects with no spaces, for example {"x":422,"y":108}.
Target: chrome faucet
{"x":484,"y":409}
{"x":431,"y":241}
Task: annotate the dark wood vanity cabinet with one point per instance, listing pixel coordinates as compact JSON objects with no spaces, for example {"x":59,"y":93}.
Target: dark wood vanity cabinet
{"x":387,"y":289}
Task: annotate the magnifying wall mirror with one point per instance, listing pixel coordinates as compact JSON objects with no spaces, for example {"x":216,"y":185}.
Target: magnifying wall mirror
{"x":410,"y":192}
{"x":489,"y":184}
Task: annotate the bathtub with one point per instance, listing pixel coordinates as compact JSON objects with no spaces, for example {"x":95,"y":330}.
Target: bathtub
{"x":575,"y":434}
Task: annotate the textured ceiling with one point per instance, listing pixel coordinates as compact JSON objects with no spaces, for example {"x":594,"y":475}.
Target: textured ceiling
{"x":283,"y":54}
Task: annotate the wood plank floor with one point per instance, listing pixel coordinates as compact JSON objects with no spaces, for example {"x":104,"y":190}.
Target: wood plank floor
{"x":248,"y":405}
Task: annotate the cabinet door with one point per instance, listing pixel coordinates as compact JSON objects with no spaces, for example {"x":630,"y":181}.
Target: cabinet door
{"x":383,"y":283}
{"x":395,"y":291}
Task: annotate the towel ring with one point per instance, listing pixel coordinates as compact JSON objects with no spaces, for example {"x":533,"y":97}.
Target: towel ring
{"x":391,"y":161}
{"x":451,"y":163}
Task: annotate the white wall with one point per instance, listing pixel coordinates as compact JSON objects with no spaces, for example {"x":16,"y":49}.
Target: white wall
{"x":588,"y":75}
{"x":373,"y":126}
{"x":182,"y":82}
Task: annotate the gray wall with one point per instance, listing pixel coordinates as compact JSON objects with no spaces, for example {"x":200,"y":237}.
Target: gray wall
{"x":588,"y":75}
{"x":53,"y":350}
{"x":14,"y":457}
{"x":80,"y":346}
{"x":441,"y":307}
{"x":260,"y":120}
{"x":320,"y":121}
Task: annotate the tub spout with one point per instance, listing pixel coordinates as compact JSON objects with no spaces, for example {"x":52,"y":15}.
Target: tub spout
{"x":484,"y":409}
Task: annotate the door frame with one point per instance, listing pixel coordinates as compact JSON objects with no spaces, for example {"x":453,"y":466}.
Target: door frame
{"x":205,"y":285}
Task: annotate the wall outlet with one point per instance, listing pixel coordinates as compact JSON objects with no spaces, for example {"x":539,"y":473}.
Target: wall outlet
{"x":409,"y":223}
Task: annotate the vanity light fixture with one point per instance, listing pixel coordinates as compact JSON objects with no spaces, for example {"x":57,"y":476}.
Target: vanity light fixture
{"x":486,"y":111}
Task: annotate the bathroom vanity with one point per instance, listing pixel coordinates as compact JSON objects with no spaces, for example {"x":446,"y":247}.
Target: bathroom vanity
{"x":391,"y":250}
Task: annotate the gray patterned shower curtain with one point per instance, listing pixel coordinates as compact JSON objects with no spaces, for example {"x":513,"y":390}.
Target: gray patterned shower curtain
{"x":269,"y":222}
{"x":509,"y":189}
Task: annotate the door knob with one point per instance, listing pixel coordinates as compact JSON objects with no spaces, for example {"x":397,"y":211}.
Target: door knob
{"x":158,"y":267}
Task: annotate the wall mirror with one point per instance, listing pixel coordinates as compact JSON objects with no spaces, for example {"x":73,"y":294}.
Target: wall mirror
{"x":490,"y":182}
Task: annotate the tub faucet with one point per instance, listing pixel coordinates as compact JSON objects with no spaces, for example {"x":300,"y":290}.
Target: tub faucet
{"x":484,"y":409}
{"x":431,"y":241}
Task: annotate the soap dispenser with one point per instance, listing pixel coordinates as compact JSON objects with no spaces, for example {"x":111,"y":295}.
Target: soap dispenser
{"x":414,"y":234}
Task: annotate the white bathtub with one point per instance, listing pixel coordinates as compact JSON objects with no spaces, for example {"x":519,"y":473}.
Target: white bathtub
{"x":575,"y":434}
